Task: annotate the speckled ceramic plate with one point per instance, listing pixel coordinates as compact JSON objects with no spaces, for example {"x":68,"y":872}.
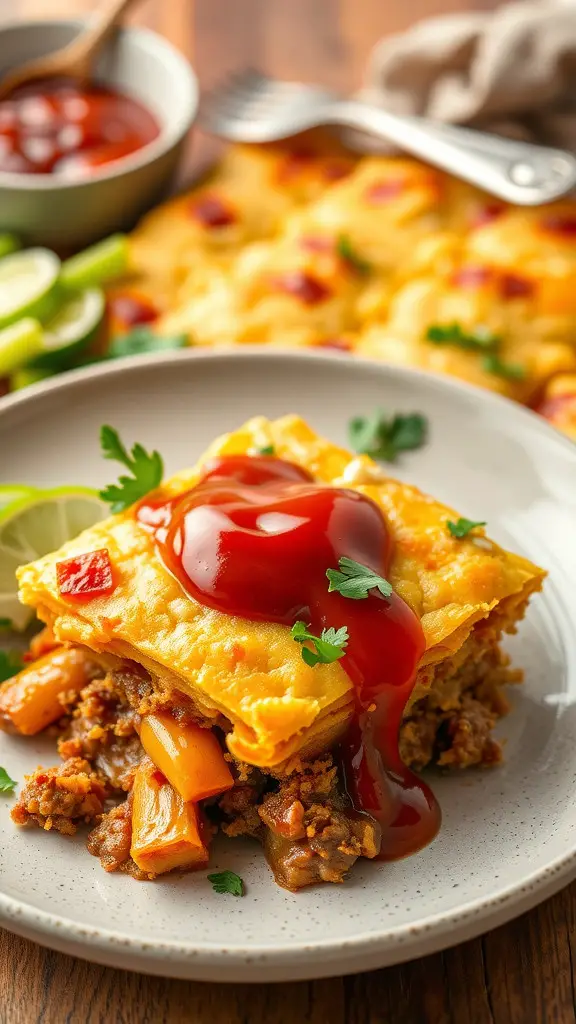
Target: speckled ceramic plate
{"x":508,"y":835}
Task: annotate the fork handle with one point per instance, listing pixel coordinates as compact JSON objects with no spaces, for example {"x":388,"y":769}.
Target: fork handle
{"x":518,"y":172}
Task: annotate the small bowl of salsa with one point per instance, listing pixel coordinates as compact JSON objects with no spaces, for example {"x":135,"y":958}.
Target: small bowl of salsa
{"x":78,"y":161}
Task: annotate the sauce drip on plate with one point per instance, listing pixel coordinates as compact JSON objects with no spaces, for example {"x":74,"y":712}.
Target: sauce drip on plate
{"x":254,"y":538}
{"x":56,"y":127}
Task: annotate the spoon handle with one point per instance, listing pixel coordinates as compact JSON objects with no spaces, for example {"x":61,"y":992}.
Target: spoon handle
{"x":101,"y":26}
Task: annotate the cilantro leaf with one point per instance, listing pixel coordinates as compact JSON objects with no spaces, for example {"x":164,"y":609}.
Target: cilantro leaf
{"x":329,"y":646}
{"x":10,"y":665}
{"x":355,"y":581}
{"x":462,"y":527}
{"x":384,"y":437}
{"x":142,"y":340}
{"x":227,"y":881}
{"x":349,"y":255}
{"x":6,"y":783}
{"x":5,"y":623}
{"x":493,"y":364}
{"x":268,"y":449}
{"x":479,"y":340}
{"x":146,"y":470}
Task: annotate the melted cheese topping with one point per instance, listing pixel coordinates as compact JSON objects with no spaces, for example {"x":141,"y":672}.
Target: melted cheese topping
{"x":414,"y":227}
{"x":252,"y":672}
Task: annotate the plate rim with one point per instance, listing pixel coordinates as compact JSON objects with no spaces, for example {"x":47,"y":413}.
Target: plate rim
{"x":288,"y":959}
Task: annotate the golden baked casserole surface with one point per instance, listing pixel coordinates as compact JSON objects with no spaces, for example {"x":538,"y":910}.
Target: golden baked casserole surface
{"x":252,"y":673}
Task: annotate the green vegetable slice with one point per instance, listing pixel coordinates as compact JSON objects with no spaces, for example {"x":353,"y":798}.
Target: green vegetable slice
{"x":19,"y":344}
{"x":33,"y":527}
{"x":28,"y":375}
{"x":28,"y":283}
{"x":101,"y":262}
{"x":11,"y":493}
{"x":9,"y":243}
{"x":71,"y":329}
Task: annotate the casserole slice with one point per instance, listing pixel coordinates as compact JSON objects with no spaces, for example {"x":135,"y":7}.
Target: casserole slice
{"x":249,"y":677}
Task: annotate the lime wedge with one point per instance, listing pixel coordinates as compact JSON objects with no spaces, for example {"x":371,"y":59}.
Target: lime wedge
{"x":19,"y":343}
{"x":8,"y":243}
{"x":34,"y":526}
{"x":71,"y":329}
{"x":101,"y":262}
{"x":10,"y":493}
{"x":26,"y":376}
{"x":28,"y":285}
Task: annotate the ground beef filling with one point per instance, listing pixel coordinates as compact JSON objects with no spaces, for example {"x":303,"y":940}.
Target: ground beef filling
{"x":308,"y":830}
{"x":110,"y":841}
{"x":310,"y":833}
{"x":61,"y":797}
{"x":103,"y":729}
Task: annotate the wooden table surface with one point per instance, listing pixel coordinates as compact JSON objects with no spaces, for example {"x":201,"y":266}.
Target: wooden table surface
{"x":523,"y":973}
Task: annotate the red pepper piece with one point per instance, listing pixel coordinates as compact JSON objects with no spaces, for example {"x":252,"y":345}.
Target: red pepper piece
{"x":303,"y":286}
{"x":513,"y":286}
{"x":487,"y":214}
{"x":338,"y":344}
{"x":293,"y":165}
{"x":560,"y":224}
{"x":131,"y":310}
{"x":316,"y":243}
{"x":472,"y":277}
{"x":335,"y":170}
{"x":87,"y":575}
{"x":382,"y":191}
{"x":213,"y":212}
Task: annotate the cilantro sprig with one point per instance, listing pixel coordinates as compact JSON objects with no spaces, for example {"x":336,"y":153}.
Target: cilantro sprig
{"x":511,"y":371}
{"x":355,"y":581}
{"x":227,"y":881}
{"x":347,"y":253}
{"x":384,"y":437}
{"x":6,"y":783}
{"x":146,"y":471}
{"x":141,"y":340}
{"x":10,"y":665}
{"x":267,"y":449}
{"x":462,"y":527}
{"x":328,"y":647}
{"x":481,"y":339}
{"x":5,"y":623}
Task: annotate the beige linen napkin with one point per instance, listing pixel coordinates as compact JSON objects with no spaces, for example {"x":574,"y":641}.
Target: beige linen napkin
{"x":512,"y":70}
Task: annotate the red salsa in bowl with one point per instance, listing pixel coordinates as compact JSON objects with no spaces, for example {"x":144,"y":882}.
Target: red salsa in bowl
{"x":59,"y":128}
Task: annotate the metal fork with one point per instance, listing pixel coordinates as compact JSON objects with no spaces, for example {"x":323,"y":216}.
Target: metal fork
{"x":249,"y":107}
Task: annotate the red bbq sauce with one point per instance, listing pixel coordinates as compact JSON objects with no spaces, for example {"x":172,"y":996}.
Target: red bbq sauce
{"x":254,"y":538}
{"x":56,"y":127}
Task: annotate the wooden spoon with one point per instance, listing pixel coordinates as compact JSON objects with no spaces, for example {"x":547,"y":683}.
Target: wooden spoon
{"x":75,"y":60}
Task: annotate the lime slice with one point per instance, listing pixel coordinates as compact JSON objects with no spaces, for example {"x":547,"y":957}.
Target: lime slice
{"x":28,"y":285}
{"x":19,"y":343}
{"x":34,"y":526}
{"x":26,"y":376}
{"x":10,"y":493}
{"x":9,"y":243}
{"x":71,"y":329}
{"x":99,"y":263}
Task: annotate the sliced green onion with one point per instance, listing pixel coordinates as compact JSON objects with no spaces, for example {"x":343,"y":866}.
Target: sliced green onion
{"x":101,"y":262}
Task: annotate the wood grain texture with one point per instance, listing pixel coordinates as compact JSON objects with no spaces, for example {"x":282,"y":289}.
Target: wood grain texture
{"x":522,"y":973}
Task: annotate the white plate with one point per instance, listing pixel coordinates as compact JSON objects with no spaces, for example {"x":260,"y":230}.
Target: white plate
{"x":508,"y":835}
